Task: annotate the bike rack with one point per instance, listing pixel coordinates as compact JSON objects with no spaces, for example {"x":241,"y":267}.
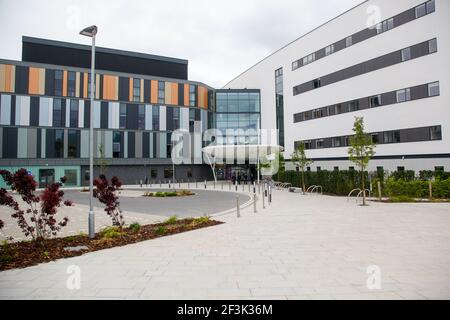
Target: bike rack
{"x":312,"y":188}
{"x":360,"y":193}
{"x":357,"y":189}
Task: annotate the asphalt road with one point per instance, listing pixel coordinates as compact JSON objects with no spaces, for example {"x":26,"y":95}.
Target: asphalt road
{"x":204,"y":202}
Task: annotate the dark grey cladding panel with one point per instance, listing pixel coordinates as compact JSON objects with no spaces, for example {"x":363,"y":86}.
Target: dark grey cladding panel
{"x":49,"y":82}
{"x":104,"y":115}
{"x":419,"y":92}
{"x":21,"y":81}
{"x":34,"y":111}
{"x":9,"y":144}
{"x":146,"y":145}
{"x":132,"y":114}
{"x":405,"y":17}
{"x":13,"y":110}
{"x":320,"y":53}
{"x":124,"y":89}
{"x":131,"y":144}
{"x":122,"y":144}
{"x":388,"y":98}
{"x":339,"y":45}
{"x":419,"y":50}
{"x":181,"y":94}
{"x":415,"y":134}
{"x":363,"y":103}
{"x":50,"y":143}
{"x":169,"y":118}
{"x":147,"y":90}
{"x":87,"y":114}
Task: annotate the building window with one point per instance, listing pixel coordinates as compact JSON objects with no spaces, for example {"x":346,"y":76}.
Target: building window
{"x":319,"y":169}
{"x":433,"y":89}
{"x":176,"y":118}
{"x":116,"y":144}
{"x":308,"y":145}
{"x":439,"y":168}
{"x":279,"y":105}
{"x":348,"y":41}
{"x":316,"y":83}
{"x":294,"y":65}
{"x":73,"y":113}
{"x":392,"y":136}
{"x":375,"y":101}
{"x":320,"y":143}
{"x":168,"y":173}
{"x":137,"y":90}
{"x":400,"y":169}
{"x":385,"y":25}
{"x":161,"y":91}
{"x":403,"y":95}
{"x":189,"y":173}
{"x":432,"y":46}
{"x":353,"y":106}
{"x":59,"y":144}
{"x":351,"y":168}
{"x":58,"y":82}
{"x":406,"y":54}
{"x":72,"y":144}
{"x":123,"y":116}
{"x":435,"y":133}
{"x":71,"y":177}
{"x":374,"y":137}
{"x":141,"y":117}
{"x":421,"y":11}
{"x":155,"y":118}
{"x":336,"y":142}
{"x":154,"y":173}
{"x":329,"y":50}
{"x":71,"y":80}
{"x":57,"y":113}
{"x":192,"y":95}
{"x":430,"y":6}
{"x":336,"y":168}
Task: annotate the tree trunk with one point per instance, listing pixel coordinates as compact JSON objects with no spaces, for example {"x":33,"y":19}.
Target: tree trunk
{"x":363,"y":187}
{"x":303,"y":180}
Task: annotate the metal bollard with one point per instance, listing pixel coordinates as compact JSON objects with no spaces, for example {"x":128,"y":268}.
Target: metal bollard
{"x":379,"y":190}
{"x":160,"y":185}
{"x":243,"y":186}
{"x":169,"y":184}
{"x":235,"y":184}
{"x":238,"y":212}
{"x":222,"y":185}
{"x":214,"y":184}
{"x":270,"y":195}
{"x":205,"y":184}
{"x":229,"y":185}
{"x":254,"y":202}
{"x":259,"y":188}
{"x":196,"y":184}
{"x":254,"y":187}
{"x":179,"y":185}
{"x":263,"y":202}
{"x":189,"y":184}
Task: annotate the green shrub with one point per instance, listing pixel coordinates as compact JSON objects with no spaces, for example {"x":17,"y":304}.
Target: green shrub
{"x":111,"y":232}
{"x":406,"y":175}
{"x":171,"y":220}
{"x":161,"y":230}
{"x":135,"y":227}
{"x":402,"y":199}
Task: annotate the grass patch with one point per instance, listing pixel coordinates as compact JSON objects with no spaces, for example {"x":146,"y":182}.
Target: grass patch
{"x":111,"y":232}
{"x":135,"y":226}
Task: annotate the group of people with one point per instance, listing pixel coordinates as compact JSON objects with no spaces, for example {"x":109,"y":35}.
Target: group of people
{"x":242,"y":178}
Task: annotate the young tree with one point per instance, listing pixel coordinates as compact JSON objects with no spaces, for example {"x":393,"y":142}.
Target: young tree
{"x":300,"y":160}
{"x":101,"y":162}
{"x":41,"y":208}
{"x":361,"y":150}
{"x":106,"y":194}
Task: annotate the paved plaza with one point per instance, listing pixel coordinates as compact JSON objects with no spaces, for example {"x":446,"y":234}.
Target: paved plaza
{"x":299,"y":247}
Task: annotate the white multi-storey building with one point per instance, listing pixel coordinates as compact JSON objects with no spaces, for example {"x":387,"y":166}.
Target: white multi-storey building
{"x":387,"y":61}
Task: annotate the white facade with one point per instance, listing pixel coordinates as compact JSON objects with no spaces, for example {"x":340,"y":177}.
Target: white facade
{"x":430,"y":111}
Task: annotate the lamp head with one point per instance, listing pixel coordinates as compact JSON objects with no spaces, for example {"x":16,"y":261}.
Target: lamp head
{"x":89,"y":31}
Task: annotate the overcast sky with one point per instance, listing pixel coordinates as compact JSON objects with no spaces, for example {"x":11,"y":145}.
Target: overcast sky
{"x":219,"y":38}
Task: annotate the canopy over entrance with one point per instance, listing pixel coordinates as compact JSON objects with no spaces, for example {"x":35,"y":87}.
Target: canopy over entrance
{"x":251,"y":152}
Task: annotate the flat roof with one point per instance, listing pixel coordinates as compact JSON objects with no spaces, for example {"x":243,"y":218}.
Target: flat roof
{"x":71,"y":45}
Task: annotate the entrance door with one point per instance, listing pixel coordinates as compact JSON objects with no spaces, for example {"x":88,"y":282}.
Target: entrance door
{"x":46,"y":177}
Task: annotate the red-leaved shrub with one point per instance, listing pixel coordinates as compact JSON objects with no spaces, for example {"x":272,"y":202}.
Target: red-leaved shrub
{"x":41,"y":209}
{"x":106,"y":194}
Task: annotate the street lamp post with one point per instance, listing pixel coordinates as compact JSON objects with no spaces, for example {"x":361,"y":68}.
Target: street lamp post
{"x":91,"y":32}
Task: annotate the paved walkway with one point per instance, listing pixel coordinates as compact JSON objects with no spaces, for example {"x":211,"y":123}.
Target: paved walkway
{"x":301,"y":247}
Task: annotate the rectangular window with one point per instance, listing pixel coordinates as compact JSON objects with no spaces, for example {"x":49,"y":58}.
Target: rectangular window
{"x":71,"y":80}
{"x":73,"y":113}
{"x":390,"y":23}
{"x":432,"y":46}
{"x":176,"y":118}
{"x":329,"y":50}
{"x":294,"y":65}
{"x":375,"y":101}
{"x":141,"y":117}
{"x":189,"y":173}
{"x":348,"y":41}
{"x":431,"y":7}
{"x":421,"y":11}
{"x":72,"y":144}
{"x":192,"y":95}
{"x":116,"y":144}
{"x":435,"y":133}
{"x":71,"y":177}
{"x":154,"y":173}
{"x":161,"y":91}
{"x":305,"y":60}
{"x":336,"y":142}
{"x":316,"y":83}
{"x":403,"y":95}
{"x":59,"y":144}
{"x":433,"y":89}
{"x":374,"y":137}
{"x":58,"y":83}
{"x":123,"y":116}
{"x":155,"y":118}
{"x":319,"y":168}
{"x":308,"y":145}
{"x":400,"y":169}
{"x":136,"y":90}
{"x":353,"y":106}
{"x":392,"y":136}
{"x":406,"y":54}
{"x":168,"y":173}
{"x":320,"y":143}
{"x":57,"y":113}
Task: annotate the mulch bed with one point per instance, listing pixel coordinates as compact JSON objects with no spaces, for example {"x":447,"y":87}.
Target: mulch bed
{"x":26,"y":253}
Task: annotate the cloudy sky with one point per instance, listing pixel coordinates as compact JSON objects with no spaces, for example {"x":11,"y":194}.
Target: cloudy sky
{"x":219,"y":38}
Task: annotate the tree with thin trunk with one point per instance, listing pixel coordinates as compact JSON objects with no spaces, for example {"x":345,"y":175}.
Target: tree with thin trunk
{"x":361,"y":150}
{"x":300,"y":160}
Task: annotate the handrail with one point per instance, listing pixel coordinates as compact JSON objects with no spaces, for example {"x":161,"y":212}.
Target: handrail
{"x":317,"y":188}
{"x":310,"y":187}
